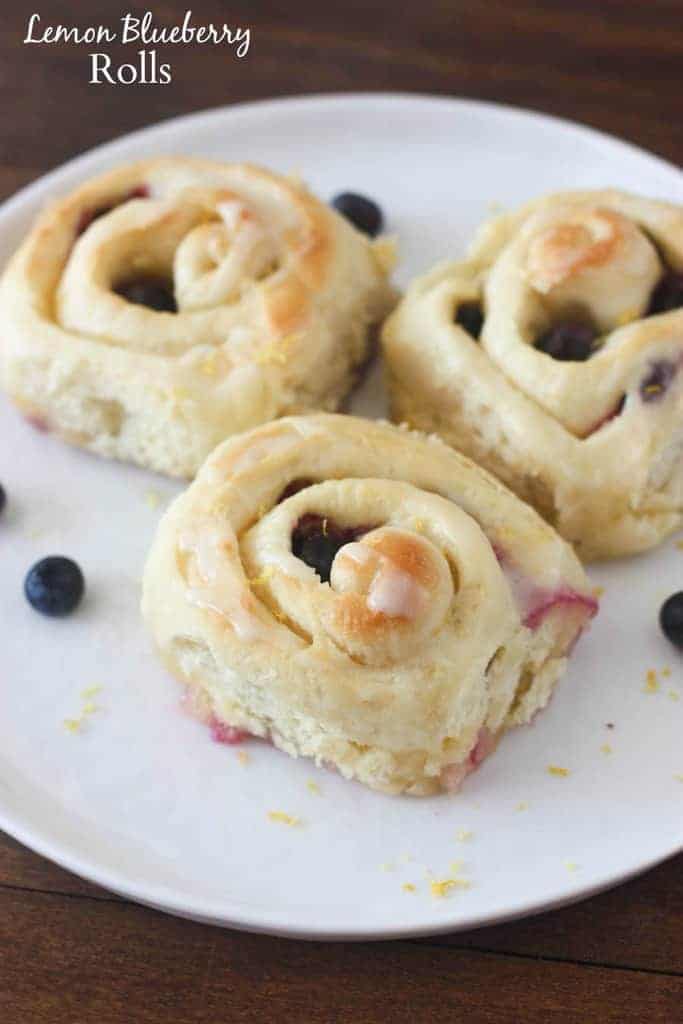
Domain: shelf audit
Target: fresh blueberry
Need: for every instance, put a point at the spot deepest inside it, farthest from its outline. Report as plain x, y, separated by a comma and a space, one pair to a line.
3, 498
361, 211
668, 294
316, 541
54, 586
671, 618
470, 316
149, 292
570, 342
657, 381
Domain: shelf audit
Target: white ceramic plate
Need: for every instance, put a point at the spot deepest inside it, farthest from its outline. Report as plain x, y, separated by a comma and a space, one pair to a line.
141, 800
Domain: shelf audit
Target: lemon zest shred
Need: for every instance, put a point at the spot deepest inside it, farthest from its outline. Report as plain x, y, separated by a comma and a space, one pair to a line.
651, 682
554, 769
284, 819
263, 577
277, 351
153, 499
209, 366
440, 888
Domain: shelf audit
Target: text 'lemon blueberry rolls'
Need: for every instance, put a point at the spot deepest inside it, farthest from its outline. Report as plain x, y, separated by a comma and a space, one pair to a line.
168, 304
364, 596
553, 356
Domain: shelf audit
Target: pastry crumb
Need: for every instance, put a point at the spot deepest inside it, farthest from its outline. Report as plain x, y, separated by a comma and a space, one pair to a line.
282, 818
606, 748
522, 806
313, 787
386, 253
554, 769
242, 757
463, 835
408, 887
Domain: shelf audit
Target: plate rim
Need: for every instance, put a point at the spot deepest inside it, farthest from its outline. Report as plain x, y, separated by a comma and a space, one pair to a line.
227, 914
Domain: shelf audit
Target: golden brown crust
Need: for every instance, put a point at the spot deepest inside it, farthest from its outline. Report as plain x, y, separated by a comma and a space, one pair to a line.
276, 296
405, 664
595, 445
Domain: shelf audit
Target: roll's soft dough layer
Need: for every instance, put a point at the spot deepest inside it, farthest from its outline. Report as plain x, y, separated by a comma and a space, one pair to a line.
594, 444
364, 596
275, 298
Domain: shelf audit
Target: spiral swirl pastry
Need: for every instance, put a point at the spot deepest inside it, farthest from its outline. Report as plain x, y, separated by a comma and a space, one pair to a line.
552, 356
364, 596
171, 303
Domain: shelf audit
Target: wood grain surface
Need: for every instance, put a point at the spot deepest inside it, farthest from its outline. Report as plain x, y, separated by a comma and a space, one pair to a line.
70, 952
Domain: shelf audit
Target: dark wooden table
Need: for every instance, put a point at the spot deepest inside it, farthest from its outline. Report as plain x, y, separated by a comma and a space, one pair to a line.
73, 954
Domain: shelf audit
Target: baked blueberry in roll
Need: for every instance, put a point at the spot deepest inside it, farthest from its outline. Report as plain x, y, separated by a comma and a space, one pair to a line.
553, 356
364, 596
